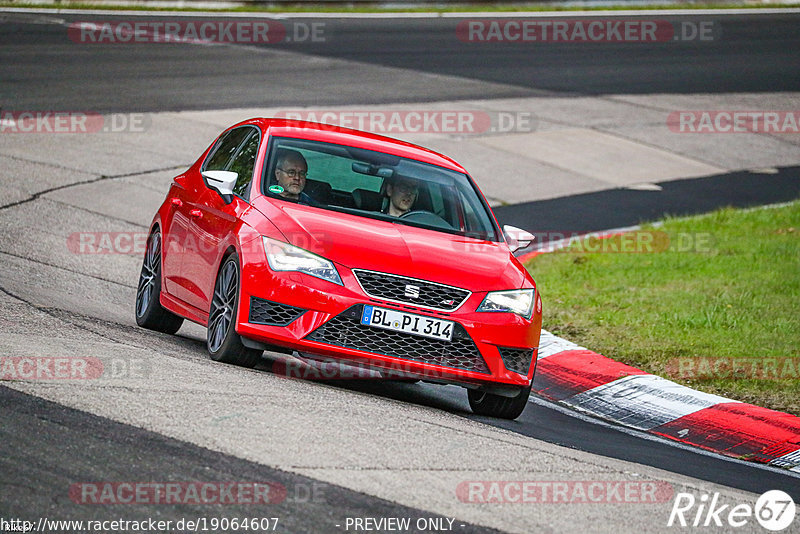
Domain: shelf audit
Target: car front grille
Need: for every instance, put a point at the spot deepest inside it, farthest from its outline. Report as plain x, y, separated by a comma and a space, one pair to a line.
272, 313
411, 290
517, 360
346, 330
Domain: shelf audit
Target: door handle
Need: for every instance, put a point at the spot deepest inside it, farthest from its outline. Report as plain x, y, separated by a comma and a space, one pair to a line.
196, 213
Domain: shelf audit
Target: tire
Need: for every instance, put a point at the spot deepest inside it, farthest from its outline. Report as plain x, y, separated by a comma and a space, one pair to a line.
149, 312
492, 405
223, 343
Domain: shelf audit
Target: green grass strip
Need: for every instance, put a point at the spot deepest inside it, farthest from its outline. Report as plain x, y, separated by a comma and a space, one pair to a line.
712, 301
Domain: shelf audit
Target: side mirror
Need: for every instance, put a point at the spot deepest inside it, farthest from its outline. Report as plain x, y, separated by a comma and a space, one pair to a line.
517, 238
221, 181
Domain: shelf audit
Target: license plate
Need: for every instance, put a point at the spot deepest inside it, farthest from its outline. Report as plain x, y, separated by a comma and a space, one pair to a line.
407, 322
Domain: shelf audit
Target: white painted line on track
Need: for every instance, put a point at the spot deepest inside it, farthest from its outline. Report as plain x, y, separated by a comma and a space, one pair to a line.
432, 14
621, 13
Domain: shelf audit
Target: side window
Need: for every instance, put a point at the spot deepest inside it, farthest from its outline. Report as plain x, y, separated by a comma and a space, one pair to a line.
437, 202
472, 220
243, 164
225, 149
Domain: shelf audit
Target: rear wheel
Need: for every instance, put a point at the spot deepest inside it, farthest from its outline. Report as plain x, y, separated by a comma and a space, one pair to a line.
149, 312
223, 343
483, 403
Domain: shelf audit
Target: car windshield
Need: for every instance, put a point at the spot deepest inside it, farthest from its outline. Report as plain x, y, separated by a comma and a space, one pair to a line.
377, 185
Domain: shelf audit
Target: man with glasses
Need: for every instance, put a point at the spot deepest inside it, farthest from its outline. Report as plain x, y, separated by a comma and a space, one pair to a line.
290, 173
402, 193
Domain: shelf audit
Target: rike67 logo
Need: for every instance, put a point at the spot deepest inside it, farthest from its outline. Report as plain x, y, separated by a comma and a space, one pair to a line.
774, 511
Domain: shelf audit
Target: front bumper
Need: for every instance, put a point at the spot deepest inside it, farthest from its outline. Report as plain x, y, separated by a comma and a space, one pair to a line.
303, 313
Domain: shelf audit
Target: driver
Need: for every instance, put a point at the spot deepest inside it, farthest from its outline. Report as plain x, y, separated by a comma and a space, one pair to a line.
290, 173
402, 193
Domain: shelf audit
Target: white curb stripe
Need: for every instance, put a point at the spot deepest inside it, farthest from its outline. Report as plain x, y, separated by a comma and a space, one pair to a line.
791, 461
643, 401
588, 418
550, 344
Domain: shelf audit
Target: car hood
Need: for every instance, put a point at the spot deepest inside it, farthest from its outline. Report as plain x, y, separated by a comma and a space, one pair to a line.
362, 243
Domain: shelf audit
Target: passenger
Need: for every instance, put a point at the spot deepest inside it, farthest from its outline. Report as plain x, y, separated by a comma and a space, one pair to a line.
402, 193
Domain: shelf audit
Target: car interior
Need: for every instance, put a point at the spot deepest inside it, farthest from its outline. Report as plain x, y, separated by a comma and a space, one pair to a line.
354, 180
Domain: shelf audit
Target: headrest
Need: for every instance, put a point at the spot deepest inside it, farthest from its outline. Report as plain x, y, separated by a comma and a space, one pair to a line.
367, 200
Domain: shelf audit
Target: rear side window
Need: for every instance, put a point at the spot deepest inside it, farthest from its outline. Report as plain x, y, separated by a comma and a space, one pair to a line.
244, 162
226, 149
236, 152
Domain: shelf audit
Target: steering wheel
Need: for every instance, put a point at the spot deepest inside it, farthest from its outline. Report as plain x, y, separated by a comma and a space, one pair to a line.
426, 217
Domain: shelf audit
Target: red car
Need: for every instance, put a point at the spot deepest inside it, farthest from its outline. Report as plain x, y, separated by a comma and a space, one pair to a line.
344, 246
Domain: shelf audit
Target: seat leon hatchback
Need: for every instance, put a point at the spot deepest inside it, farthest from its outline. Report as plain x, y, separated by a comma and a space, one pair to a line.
336, 245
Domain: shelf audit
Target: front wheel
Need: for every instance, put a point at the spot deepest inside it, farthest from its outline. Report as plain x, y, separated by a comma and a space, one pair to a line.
223, 343
483, 403
149, 312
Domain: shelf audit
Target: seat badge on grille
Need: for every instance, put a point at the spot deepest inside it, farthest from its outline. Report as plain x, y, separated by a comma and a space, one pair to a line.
412, 291
448, 302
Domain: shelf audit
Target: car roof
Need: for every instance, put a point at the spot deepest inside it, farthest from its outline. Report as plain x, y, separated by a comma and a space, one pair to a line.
345, 136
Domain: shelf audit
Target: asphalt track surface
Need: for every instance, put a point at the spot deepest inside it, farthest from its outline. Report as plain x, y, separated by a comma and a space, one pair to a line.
677, 198
542, 422
43, 70
99, 449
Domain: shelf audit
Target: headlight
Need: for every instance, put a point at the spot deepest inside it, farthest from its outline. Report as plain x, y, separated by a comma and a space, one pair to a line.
519, 301
285, 257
